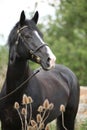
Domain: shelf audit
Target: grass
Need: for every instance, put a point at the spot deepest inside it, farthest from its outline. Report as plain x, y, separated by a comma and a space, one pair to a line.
81, 125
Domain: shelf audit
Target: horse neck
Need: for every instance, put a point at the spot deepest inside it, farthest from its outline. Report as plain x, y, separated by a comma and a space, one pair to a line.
17, 73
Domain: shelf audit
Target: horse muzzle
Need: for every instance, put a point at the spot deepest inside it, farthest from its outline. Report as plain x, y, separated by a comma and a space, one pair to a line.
52, 62
49, 64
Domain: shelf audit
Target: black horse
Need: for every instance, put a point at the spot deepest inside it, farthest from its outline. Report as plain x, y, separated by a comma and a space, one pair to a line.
59, 85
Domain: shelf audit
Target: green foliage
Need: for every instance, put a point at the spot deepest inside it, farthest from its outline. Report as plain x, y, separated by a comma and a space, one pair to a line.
84, 125
67, 36
3, 56
33, 65
3, 63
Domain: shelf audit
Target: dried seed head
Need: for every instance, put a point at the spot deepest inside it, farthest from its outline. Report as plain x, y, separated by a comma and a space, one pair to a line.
62, 108
47, 127
51, 106
41, 126
24, 112
38, 59
39, 119
16, 105
30, 100
33, 123
46, 104
35, 127
30, 128
40, 109
25, 99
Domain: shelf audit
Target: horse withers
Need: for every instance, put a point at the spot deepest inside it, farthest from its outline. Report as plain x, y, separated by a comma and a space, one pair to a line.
59, 85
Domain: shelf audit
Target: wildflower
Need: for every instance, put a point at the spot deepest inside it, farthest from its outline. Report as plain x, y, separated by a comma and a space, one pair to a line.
24, 112
40, 109
30, 128
30, 100
46, 104
39, 119
62, 108
47, 127
51, 106
16, 105
41, 126
35, 127
33, 123
25, 99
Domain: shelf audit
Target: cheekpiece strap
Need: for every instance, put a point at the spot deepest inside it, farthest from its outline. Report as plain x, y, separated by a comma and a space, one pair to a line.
18, 32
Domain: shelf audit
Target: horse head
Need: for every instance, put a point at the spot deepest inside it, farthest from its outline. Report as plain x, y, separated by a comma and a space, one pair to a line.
26, 42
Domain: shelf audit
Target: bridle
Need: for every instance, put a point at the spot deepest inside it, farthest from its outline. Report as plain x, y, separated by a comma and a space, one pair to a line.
32, 52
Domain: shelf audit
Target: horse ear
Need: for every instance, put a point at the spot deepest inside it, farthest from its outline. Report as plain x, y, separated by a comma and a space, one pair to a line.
22, 18
35, 17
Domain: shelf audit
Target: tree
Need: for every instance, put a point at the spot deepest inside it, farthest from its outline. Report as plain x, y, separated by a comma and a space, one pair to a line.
67, 36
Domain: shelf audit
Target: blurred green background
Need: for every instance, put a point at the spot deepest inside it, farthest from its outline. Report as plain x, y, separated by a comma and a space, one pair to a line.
66, 35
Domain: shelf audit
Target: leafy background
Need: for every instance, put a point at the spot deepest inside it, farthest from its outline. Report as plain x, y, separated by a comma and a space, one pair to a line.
66, 34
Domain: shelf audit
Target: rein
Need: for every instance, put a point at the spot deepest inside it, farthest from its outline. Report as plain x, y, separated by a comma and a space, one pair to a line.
32, 52
12, 92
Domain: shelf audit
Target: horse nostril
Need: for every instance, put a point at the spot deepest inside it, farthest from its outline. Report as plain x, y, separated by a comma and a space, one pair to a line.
51, 62
48, 61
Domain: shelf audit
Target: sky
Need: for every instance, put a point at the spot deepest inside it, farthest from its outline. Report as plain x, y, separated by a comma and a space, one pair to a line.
10, 13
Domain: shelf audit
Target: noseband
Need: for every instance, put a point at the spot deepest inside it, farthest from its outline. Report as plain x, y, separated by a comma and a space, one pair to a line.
32, 52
